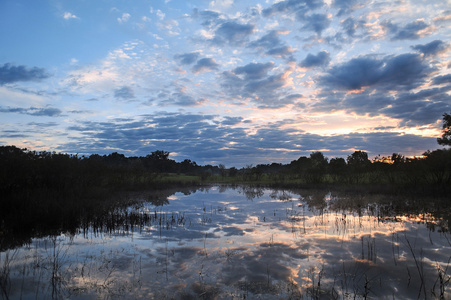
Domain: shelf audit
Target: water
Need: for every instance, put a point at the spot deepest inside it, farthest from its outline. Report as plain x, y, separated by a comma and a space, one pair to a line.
241, 243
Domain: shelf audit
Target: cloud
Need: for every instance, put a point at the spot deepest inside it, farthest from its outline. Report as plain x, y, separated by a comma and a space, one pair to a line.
350, 26
210, 18
442, 79
410, 31
254, 71
233, 33
300, 7
180, 97
346, 6
404, 71
187, 58
268, 41
205, 65
213, 139
47, 124
33, 111
253, 82
316, 22
433, 48
321, 59
272, 45
231, 121
266, 87
170, 26
421, 108
284, 51
10, 74
411, 108
68, 16
184, 100
161, 15
124, 92
124, 18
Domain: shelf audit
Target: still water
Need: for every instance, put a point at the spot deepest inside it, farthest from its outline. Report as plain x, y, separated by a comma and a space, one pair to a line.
240, 243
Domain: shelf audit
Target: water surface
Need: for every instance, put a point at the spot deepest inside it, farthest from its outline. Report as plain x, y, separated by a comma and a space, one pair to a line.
241, 243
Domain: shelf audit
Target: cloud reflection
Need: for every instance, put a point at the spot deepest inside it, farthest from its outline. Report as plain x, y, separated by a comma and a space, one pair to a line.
261, 243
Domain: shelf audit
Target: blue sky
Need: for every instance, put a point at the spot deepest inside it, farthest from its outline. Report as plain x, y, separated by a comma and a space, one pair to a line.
226, 81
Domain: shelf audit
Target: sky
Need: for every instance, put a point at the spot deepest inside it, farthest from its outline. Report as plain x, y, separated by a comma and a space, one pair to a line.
227, 82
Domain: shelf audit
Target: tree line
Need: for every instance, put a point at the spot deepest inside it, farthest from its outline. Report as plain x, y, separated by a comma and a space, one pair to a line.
22, 169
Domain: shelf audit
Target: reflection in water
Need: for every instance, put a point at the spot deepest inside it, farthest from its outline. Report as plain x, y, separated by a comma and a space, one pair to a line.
241, 243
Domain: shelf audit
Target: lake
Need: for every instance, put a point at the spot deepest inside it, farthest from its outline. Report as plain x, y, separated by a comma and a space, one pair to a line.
241, 242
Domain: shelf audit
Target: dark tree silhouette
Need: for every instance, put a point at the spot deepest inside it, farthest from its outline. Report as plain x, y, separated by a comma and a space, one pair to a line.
445, 140
358, 164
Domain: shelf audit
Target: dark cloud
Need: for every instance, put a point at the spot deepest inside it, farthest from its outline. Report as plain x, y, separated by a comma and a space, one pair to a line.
284, 51
350, 26
363, 103
33, 111
180, 97
10, 74
268, 41
184, 100
405, 71
209, 17
431, 49
442, 79
204, 65
316, 22
266, 86
253, 82
232, 120
254, 71
233, 33
321, 59
187, 58
211, 139
48, 124
124, 92
418, 108
410, 31
271, 44
346, 6
299, 7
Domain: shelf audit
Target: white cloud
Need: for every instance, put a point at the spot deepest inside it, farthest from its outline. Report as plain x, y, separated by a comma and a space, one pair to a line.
15, 98
125, 17
220, 4
170, 26
146, 19
161, 14
67, 15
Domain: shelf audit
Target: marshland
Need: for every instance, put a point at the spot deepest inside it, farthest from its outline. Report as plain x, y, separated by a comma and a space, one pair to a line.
114, 227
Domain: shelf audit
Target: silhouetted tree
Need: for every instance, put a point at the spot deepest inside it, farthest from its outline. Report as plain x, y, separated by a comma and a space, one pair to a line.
438, 166
159, 161
222, 170
358, 164
233, 171
445, 140
300, 166
337, 168
318, 167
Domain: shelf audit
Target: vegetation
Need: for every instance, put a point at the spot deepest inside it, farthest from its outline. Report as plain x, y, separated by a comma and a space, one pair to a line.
446, 133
